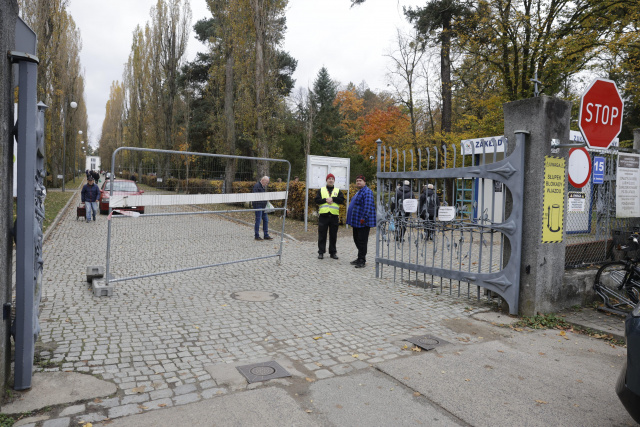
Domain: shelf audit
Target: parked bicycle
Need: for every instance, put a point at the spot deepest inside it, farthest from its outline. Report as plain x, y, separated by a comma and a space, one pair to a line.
618, 282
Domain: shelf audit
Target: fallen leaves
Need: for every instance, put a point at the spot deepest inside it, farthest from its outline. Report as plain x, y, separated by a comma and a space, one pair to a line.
316, 338
416, 348
309, 379
162, 405
416, 393
541, 402
139, 389
563, 334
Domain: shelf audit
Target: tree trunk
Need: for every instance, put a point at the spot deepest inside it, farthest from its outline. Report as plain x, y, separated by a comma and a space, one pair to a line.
445, 75
230, 122
259, 18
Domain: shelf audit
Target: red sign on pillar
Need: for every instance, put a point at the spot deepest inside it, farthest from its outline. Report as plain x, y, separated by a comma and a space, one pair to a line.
601, 110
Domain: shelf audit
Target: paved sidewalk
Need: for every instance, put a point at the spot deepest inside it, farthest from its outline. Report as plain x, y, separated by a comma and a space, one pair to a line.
170, 344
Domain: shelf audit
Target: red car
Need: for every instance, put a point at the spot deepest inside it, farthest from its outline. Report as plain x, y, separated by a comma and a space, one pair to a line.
121, 187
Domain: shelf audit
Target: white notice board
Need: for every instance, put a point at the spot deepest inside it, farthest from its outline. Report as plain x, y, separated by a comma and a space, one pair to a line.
318, 167
628, 186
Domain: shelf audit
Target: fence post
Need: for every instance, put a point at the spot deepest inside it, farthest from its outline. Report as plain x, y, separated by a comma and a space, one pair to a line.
542, 264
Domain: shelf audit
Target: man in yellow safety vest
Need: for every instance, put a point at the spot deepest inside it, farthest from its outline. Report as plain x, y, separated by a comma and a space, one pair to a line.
328, 199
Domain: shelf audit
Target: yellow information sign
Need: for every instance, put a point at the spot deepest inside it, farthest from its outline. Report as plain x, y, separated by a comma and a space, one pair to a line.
553, 203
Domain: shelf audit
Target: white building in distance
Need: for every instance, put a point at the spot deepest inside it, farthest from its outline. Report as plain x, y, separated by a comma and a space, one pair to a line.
93, 163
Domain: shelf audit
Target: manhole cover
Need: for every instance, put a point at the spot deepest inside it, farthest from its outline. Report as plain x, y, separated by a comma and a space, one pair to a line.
427, 342
263, 371
255, 296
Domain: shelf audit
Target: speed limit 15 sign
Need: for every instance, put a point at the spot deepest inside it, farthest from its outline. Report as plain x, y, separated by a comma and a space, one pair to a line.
598, 170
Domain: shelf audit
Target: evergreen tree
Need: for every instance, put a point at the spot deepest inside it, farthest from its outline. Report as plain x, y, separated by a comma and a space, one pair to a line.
327, 132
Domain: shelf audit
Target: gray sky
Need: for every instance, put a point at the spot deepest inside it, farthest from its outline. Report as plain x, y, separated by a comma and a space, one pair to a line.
350, 42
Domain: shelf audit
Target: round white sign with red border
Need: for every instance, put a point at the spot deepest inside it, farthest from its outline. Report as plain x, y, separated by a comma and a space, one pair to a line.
579, 166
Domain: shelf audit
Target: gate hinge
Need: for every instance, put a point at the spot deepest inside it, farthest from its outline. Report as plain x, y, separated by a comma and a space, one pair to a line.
6, 311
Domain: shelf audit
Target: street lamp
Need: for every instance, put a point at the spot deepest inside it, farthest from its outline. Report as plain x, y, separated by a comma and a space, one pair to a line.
72, 104
75, 165
83, 153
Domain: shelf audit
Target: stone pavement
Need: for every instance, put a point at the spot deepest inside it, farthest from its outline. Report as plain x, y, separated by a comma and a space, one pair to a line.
157, 337
173, 341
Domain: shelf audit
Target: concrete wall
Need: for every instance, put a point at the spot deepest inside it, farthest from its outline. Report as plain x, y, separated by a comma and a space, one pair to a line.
8, 15
542, 266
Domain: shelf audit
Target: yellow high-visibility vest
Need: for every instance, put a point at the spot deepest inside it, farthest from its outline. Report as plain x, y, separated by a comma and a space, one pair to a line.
329, 207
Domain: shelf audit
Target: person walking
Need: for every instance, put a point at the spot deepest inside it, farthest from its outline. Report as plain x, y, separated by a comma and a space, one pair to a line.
361, 216
428, 208
328, 199
90, 195
261, 215
402, 192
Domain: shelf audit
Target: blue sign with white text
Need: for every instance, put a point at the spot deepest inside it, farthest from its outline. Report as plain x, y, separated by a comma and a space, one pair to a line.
598, 170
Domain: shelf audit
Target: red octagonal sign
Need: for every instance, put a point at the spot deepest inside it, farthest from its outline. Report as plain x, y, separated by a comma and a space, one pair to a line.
601, 113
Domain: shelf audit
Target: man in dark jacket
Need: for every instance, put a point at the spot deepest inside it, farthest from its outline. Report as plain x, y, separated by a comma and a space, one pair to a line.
90, 195
261, 215
403, 192
328, 199
428, 208
361, 216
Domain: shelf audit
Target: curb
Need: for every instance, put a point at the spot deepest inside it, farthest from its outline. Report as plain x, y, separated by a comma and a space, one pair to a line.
58, 217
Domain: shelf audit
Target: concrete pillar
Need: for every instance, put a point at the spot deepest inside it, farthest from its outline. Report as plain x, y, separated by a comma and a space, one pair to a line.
636, 139
542, 265
8, 15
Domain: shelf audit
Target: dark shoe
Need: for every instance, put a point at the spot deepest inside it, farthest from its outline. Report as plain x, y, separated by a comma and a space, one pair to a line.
268, 238
355, 261
259, 238
320, 256
360, 265
334, 256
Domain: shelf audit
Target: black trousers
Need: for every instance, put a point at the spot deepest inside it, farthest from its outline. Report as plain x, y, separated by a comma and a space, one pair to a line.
327, 222
361, 239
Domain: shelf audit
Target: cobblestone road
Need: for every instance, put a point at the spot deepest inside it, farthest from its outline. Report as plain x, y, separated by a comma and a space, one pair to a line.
157, 337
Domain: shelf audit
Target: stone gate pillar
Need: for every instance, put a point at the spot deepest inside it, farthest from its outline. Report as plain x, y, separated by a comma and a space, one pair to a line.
542, 265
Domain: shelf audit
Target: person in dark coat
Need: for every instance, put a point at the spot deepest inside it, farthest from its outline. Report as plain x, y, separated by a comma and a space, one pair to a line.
402, 192
90, 195
428, 208
261, 215
361, 216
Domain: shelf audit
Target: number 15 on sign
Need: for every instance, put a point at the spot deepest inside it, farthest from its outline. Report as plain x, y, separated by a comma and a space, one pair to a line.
598, 170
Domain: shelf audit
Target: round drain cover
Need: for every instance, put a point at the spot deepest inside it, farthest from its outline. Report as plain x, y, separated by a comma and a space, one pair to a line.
428, 341
256, 296
262, 371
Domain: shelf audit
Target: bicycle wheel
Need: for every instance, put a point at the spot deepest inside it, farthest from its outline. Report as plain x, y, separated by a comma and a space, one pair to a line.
610, 284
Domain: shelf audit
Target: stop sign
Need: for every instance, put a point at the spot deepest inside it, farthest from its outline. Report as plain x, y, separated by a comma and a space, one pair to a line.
600, 113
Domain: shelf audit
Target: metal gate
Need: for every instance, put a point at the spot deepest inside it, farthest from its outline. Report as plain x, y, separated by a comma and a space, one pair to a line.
469, 252
177, 218
592, 229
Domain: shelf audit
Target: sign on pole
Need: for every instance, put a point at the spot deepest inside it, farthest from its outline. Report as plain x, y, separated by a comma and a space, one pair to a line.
579, 167
598, 170
628, 186
601, 109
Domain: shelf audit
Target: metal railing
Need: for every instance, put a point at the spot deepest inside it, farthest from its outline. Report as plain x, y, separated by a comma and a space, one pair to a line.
468, 251
177, 224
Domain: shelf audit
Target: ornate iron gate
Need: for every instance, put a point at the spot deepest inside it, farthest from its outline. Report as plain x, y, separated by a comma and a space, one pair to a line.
455, 251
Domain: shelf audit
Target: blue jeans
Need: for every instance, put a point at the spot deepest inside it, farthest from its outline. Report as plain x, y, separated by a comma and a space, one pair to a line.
262, 215
91, 208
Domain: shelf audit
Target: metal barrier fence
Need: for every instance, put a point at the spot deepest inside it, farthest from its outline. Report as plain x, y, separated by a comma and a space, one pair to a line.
591, 223
468, 251
180, 221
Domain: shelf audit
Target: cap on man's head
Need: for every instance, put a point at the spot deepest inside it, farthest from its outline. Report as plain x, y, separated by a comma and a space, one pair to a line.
430, 186
330, 176
361, 177
89, 178
406, 182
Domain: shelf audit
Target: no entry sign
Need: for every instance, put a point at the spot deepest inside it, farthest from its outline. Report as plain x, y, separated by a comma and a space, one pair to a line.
579, 167
601, 110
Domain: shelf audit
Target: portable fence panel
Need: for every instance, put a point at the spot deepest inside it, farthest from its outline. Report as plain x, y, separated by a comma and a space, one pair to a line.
591, 223
189, 214
463, 255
